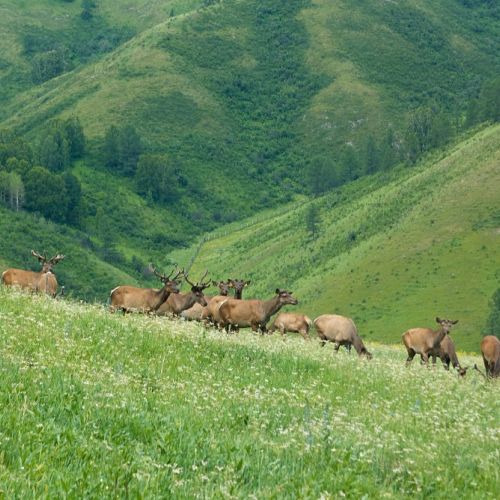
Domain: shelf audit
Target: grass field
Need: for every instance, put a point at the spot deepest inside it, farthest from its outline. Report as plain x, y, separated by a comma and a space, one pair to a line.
100, 405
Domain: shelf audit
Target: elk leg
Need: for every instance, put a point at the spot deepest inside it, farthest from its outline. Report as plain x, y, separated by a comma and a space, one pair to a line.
282, 331
337, 347
411, 355
304, 334
322, 343
425, 358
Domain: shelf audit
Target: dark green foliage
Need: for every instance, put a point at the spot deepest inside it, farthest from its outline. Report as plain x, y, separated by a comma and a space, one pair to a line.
156, 178
46, 194
312, 220
88, 7
493, 323
54, 150
74, 199
47, 65
13, 146
75, 137
121, 149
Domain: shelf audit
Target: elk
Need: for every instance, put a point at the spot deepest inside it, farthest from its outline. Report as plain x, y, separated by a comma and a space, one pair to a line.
341, 331
291, 322
238, 286
43, 281
236, 313
201, 313
175, 304
212, 314
146, 300
447, 354
490, 349
425, 341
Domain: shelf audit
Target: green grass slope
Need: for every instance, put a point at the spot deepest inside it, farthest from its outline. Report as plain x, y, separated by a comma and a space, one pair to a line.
100, 405
393, 251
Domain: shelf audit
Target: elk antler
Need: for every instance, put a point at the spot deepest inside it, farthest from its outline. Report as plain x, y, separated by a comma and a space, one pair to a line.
164, 277
41, 258
57, 258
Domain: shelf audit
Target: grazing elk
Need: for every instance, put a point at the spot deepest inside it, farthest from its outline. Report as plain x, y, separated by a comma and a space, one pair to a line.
175, 304
291, 322
341, 331
447, 354
425, 341
146, 300
490, 349
43, 281
235, 313
201, 313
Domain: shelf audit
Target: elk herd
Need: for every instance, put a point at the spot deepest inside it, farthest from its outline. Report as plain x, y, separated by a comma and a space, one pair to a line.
233, 313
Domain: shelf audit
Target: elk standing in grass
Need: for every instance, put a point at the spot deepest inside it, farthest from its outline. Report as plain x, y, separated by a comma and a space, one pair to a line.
490, 349
236, 313
425, 341
291, 322
175, 304
201, 313
213, 310
146, 300
447, 354
43, 281
341, 331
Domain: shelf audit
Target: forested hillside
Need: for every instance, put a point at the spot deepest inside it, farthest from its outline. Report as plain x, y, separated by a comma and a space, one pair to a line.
135, 127
392, 251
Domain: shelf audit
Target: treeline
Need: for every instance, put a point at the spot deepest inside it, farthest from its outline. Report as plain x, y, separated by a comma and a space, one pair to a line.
36, 178
427, 128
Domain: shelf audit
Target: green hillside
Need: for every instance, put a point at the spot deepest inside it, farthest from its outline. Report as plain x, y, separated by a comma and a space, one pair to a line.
392, 251
101, 405
246, 98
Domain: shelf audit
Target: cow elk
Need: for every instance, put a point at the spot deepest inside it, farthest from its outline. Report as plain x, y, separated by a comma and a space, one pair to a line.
175, 304
425, 341
291, 322
238, 286
236, 313
201, 313
341, 331
213, 310
43, 281
447, 354
490, 350
145, 300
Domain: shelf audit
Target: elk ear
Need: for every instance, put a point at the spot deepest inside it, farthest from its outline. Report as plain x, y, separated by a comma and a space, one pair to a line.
247, 282
438, 320
277, 291
454, 322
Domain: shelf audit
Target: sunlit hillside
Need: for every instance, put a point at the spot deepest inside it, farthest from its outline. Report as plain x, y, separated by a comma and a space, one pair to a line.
392, 251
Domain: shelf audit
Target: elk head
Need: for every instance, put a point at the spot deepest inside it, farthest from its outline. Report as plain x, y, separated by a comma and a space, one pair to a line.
47, 265
197, 288
238, 286
446, 324
223, 286
286, 297
169, 282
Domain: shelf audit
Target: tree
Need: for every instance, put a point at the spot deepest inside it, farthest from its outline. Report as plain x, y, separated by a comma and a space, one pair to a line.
111, 147
54, 150
493, 323
75, 137
46, 193
372, 156
312, 220
489, 100
4, 187
155, 177
130, 150
16, 191
88, 7
74, 198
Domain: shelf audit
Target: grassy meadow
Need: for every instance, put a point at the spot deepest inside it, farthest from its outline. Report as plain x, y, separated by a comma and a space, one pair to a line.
100, 405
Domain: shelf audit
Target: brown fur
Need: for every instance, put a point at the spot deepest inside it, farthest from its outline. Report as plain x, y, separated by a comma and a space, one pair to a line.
424, 341
447, 354
44, 281
341, 331
146, 300
236, 313
291, 322
490, 349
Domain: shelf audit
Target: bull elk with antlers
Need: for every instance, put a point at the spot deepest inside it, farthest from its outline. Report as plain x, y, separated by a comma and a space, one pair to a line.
147, 300
43, 281
177, 303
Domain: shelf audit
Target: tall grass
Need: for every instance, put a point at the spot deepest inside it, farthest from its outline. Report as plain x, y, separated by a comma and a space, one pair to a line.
102, 405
